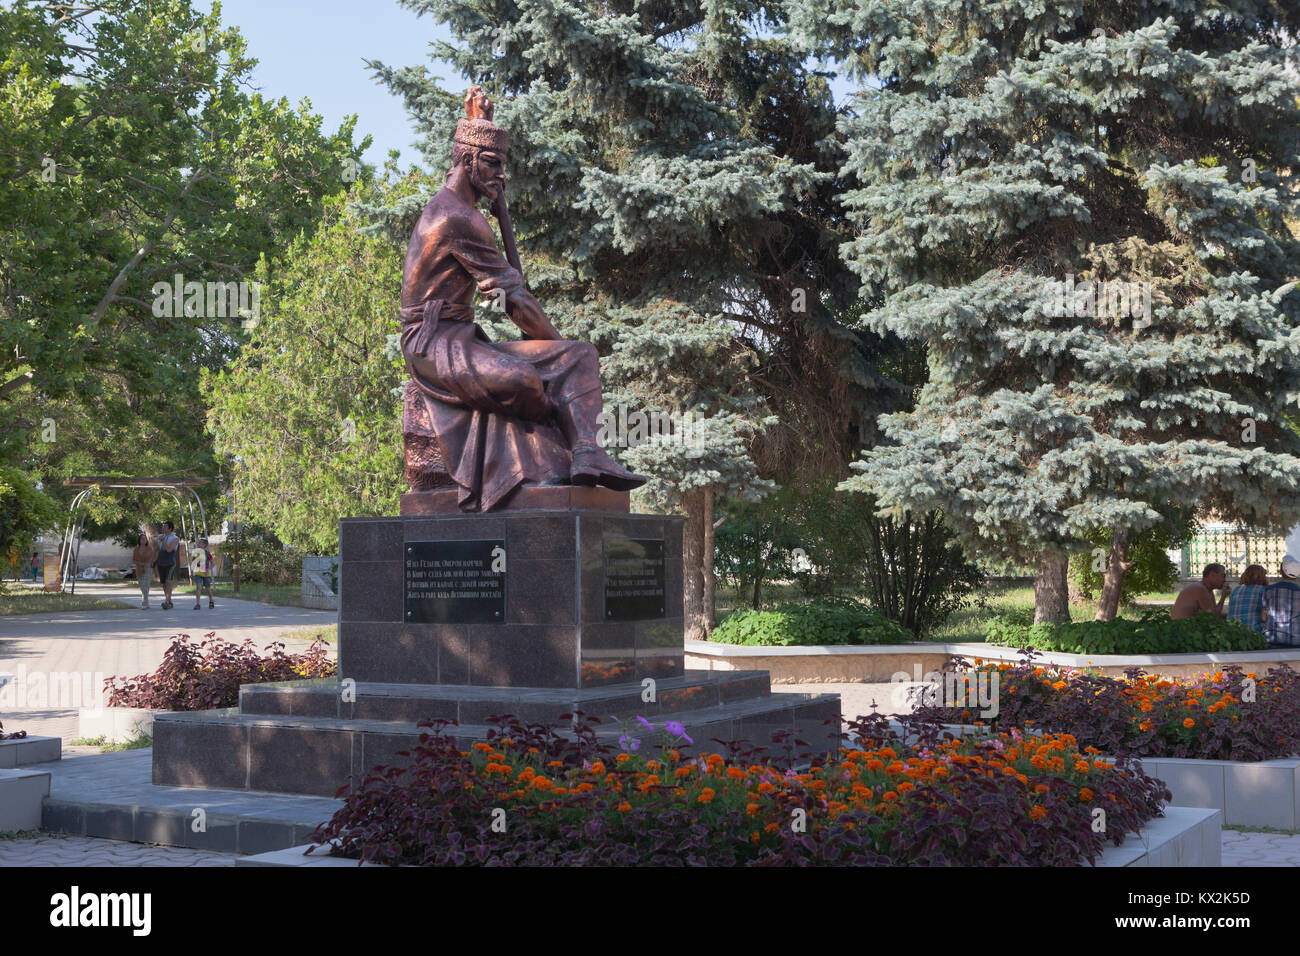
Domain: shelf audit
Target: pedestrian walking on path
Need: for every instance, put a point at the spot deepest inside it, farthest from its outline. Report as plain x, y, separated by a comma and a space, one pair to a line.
168, 557
143, 558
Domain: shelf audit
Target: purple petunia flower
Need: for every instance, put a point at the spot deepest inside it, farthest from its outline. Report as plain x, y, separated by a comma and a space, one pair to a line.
628, 742
645, 723
675, 728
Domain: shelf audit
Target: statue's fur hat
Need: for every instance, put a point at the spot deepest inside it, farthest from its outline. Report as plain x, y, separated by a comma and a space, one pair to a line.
478, 130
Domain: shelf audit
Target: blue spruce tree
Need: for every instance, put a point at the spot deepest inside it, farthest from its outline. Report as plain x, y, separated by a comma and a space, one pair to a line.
1080, 212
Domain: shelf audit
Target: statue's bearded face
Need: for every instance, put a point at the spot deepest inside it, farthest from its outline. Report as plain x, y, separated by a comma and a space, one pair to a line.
487, 174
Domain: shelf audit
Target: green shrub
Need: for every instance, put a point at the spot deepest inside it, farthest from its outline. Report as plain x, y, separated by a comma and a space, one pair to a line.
831, 542
1153, 633
1152, 571
826, 621
268, 562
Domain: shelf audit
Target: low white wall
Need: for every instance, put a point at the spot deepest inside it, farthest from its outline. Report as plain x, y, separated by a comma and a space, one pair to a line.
116, 725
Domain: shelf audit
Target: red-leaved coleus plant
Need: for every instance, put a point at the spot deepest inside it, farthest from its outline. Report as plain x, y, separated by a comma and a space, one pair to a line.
208, 674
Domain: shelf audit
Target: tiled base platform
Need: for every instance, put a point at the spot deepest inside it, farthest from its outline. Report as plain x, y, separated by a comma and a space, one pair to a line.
303, 737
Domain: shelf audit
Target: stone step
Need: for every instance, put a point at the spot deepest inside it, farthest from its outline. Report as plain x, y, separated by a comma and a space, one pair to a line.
319, 755
474, 705
110, 796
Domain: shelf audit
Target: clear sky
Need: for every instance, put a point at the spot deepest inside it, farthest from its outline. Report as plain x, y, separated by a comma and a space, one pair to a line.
315, 49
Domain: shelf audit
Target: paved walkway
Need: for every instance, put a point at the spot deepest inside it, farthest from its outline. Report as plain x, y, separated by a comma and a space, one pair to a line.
1249, 848
859, 699
1239, 849
57, 850
56, 657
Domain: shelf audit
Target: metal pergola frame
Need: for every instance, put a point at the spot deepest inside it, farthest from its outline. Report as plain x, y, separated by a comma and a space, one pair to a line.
71, 546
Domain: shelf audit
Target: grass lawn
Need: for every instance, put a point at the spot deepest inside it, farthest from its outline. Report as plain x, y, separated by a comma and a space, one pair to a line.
26, 601
329, 633
138, 742
285, 595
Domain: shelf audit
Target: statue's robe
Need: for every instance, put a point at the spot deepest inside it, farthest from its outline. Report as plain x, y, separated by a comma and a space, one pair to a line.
490, 405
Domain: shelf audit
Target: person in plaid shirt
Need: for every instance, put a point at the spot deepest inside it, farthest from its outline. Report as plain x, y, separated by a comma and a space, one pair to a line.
1246, 605
1281, 606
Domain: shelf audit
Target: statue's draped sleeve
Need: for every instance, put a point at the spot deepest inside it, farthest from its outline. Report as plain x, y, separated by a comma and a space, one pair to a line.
477, 252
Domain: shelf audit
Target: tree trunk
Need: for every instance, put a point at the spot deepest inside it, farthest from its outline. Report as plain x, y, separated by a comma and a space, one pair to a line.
696, 622
1117, 564
710, 576
1051, 592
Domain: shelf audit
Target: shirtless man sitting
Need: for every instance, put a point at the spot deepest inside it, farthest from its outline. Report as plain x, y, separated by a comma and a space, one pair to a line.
1196, 598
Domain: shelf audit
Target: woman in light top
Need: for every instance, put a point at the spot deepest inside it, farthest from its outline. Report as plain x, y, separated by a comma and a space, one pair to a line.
143, 557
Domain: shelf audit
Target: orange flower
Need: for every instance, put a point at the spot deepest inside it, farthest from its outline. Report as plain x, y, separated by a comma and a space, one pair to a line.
772, 827
753, 837
482, 747
624, 807
622, 758
598, 768
1037, 813
541, 783
556, 764
706, 795
889, 796
1085, 795
765, 787
751, 809
1188, 722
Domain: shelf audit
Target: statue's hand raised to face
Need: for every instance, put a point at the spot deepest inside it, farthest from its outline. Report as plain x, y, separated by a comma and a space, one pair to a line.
477, 104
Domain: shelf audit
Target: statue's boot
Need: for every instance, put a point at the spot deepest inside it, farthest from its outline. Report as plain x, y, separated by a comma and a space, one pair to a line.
579, 420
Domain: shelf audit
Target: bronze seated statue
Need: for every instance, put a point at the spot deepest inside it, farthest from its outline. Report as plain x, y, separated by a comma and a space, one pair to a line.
487, 417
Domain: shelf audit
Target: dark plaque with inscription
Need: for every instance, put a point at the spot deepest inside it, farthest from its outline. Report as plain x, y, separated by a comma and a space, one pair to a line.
455, 582
634, 579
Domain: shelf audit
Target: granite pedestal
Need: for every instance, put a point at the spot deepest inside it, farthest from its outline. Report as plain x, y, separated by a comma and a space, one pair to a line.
534, 612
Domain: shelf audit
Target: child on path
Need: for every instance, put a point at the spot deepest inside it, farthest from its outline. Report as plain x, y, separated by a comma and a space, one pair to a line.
201, 572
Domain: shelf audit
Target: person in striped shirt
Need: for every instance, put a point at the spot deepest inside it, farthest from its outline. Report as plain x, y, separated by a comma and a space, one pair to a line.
1281, 606
1246, 604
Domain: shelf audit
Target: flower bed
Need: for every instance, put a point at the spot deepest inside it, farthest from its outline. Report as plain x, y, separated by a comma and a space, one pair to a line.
208, 675
1144, 716
530, 796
